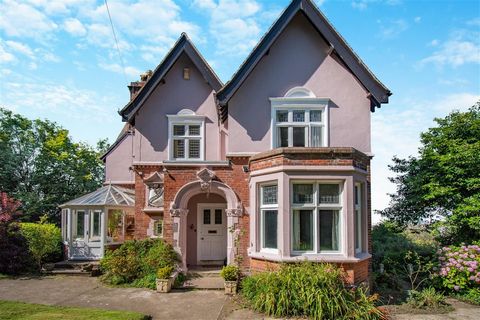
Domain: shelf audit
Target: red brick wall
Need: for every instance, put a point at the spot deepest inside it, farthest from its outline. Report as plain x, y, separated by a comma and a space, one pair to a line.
356, 272
142, 220
175, 178
310, 157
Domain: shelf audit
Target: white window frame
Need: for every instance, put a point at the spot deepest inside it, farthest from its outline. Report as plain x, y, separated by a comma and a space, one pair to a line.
266, 207
358, 210
299, 99
185, 118
315, 207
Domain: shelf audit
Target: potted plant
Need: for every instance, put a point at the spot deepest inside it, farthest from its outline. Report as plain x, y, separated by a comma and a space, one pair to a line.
230, 274
165, 279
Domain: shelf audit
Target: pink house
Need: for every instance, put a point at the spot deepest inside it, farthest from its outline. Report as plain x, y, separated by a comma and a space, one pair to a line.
273, 166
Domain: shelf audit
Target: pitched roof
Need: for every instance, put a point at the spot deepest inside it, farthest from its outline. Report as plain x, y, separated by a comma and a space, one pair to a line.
126, 130
379, 93
108, 195
183, 45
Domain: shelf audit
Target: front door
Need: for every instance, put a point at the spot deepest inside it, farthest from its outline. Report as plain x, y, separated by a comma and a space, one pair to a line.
212, 234
86, 232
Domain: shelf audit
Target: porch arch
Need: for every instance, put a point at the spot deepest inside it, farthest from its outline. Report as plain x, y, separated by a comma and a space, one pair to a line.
179, 212
180, 201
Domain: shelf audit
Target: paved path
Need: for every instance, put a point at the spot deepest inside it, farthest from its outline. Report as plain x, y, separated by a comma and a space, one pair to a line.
88, 292
199, 305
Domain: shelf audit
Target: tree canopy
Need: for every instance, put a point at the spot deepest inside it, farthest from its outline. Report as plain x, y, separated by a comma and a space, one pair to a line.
42, 167
444, 179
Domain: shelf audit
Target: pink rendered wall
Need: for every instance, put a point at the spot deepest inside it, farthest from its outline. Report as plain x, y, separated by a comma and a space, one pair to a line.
118, 161
192, 222
151, 123
299, 58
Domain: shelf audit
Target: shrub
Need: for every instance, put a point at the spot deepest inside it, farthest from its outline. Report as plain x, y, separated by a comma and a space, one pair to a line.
428, 298
230, 272
459, 268
165, 272
136, 262
14, 254
44, 239
308, 290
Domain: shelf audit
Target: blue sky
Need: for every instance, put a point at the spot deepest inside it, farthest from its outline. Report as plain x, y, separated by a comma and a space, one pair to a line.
58, 59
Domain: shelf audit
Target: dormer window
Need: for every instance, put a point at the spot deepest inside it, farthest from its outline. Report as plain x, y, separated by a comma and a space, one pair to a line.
299, 120
186, 136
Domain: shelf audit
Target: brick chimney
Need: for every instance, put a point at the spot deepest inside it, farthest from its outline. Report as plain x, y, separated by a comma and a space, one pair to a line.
135, 86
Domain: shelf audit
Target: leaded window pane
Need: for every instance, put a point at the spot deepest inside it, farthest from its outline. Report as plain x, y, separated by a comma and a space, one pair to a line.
194, 149
194, 130
282, 115
299, 136
302, 230
329, 193
303, 193
298, 115
270, 229
269, 195
178, 130
328, 228
178, 148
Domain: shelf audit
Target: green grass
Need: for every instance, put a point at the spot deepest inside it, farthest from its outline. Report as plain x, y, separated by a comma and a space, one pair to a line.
10, 310
3, 276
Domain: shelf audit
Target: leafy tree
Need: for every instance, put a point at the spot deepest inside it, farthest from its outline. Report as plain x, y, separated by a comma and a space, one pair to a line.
44, 239
42, 167
444, 180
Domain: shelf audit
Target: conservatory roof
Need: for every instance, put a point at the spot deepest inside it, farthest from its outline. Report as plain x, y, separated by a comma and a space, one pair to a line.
108, 195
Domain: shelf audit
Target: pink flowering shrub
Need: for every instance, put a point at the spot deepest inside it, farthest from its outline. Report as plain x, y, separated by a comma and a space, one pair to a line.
459, 267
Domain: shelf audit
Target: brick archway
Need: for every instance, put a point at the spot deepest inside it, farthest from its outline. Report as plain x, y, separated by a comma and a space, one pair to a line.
179, 211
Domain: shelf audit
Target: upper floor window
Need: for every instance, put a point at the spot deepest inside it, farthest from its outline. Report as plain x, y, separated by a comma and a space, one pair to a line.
299, 120
186, 136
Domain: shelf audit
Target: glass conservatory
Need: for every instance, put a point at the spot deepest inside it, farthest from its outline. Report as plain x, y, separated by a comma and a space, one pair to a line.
98, 220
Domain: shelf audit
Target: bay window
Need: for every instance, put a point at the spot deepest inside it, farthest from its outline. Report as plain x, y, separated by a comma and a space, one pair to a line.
268, 216
316, 214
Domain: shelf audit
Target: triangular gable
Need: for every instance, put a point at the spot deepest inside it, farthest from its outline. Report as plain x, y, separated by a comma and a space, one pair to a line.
183, 45
126, 131
378, 92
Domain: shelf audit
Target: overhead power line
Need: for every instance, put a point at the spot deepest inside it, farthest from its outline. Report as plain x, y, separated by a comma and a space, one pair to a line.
116, 42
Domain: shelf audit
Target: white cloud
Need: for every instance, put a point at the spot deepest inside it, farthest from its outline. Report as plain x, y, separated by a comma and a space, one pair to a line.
455, 53
434, 43
20, 48
396, 131
393, 28
74, 27
114, 67
23, 20
363, 4
417, 19
6, 57
234, 24
58, 99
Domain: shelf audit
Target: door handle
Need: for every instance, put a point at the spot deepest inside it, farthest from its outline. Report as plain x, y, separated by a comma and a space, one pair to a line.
201, 238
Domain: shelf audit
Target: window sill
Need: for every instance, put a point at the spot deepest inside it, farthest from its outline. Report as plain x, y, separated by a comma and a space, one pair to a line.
334, 258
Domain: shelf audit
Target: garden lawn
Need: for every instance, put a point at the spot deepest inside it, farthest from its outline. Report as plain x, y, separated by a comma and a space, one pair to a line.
10, 310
